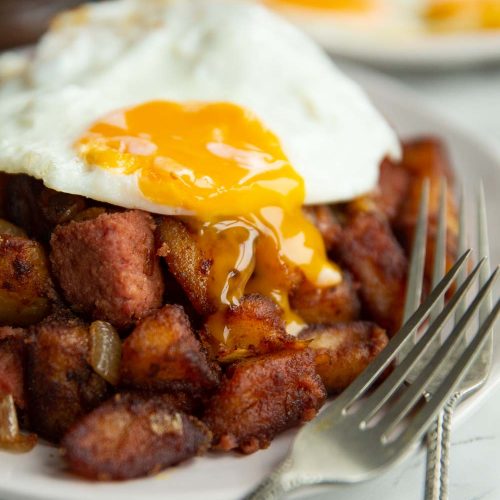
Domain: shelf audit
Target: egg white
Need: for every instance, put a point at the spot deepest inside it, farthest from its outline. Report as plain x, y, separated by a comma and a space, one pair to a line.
117, 54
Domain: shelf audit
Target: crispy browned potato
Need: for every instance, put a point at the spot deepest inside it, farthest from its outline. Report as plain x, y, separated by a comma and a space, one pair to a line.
327, 224
254, 327
185, 401
175, 294
8, 331
371, 253
25, 286
12, 364
427, 158
191, 264
326, 305
260, 397
393, 185
61, 385
132, 436
186, 262
38, 209
257, 323
342, 351
163, 353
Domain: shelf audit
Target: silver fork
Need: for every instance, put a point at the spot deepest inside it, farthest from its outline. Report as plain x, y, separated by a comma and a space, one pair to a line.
438, 437
352, 440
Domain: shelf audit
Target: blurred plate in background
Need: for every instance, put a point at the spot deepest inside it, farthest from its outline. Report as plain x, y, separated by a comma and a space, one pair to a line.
401, 33
437, 52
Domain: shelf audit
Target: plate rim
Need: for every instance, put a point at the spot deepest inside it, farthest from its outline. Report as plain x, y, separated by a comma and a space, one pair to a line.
417, 50
455, 52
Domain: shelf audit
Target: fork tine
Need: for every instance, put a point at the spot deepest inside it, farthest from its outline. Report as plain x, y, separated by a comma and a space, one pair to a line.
384, 392
380, 363
427, 413
416, 273
439, 267
417, 262
438, 361
462, 244
483, 247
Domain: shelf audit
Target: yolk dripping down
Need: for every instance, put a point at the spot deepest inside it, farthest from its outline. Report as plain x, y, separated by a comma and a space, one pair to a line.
225, 169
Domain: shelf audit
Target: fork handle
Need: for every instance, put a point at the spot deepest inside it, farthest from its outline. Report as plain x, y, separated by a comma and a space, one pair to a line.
438, 453
274, 486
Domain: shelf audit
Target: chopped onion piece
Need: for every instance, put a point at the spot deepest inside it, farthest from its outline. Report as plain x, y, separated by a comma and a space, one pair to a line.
9, 427
10, 437
105, 351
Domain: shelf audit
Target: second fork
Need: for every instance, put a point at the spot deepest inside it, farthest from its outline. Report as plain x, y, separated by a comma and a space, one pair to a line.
438, 437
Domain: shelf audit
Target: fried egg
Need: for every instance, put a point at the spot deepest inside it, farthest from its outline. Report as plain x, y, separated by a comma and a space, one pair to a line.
115, 55
220, 112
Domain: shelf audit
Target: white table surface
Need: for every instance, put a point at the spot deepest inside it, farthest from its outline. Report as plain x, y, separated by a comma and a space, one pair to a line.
472, 98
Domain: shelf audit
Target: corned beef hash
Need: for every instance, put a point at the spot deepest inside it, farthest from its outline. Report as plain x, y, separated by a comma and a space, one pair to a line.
204, 229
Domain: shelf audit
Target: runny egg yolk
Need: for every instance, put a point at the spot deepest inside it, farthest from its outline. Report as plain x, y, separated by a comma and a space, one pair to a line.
339, 5
228, 173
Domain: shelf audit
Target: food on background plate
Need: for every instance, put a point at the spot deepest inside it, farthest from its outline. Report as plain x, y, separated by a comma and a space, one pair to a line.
463, 15
200, 238
391, 18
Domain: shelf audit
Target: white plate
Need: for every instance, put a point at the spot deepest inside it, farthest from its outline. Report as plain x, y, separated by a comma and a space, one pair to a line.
410, 48
38, 475
438, 52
